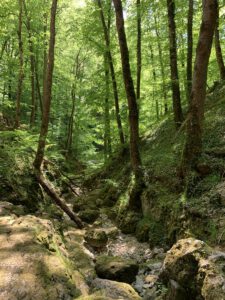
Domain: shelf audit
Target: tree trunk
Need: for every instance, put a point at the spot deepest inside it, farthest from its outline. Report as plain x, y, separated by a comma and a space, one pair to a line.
38, 89
21, 71
178, 115
69, 141
45, 58
154, 82
189, 48
45, 121
162, 69
193, 146
47, 91
107, 135
219, 55
112, 71
32, 67
138, 3
3, 48
132, 106
76, 74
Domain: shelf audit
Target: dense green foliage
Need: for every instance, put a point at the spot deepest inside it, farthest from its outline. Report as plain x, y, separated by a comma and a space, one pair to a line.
80, 42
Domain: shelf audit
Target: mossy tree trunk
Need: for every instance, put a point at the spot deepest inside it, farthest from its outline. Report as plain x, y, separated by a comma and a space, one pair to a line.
132, 106
193, 146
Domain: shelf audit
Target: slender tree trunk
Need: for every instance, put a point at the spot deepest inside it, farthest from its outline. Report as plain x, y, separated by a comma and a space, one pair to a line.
76, 74
154, 82
183, 81
107, 135
47, 91
162, 69
38, 89
193, 146
219, 55
32, 67
45, 122
3, 48
138, 3
71, 120
189, 48
21, 71
132, 106
9, 53
178, 115
112, 71
45, 58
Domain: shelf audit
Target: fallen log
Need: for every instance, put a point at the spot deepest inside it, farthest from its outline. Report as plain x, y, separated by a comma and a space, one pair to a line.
50, 190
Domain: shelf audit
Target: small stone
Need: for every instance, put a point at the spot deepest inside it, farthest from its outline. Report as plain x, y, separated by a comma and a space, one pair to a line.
96, 238
151, 279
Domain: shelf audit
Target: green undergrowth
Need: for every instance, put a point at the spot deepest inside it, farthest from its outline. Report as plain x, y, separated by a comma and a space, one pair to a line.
18, 183
172, 208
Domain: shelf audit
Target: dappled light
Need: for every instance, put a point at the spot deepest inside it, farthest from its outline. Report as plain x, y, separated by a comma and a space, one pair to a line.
112, 150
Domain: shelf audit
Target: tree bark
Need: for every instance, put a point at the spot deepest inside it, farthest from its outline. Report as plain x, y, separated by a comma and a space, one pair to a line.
112, 71
107, 134
45, 58
219, 55
193, 146
162, 69
32, 67
139, 58
178, 115
76, 74
21, 71
132, 106
189, 48
154, 82
47, 91
69, 141
38, 89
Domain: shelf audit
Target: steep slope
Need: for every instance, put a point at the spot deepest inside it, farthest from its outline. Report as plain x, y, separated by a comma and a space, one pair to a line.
172, 208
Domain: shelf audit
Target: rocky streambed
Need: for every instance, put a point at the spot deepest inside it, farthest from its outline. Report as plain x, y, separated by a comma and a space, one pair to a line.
43, 259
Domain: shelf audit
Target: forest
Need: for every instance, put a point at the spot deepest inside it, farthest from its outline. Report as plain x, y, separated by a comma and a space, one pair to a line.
112, 150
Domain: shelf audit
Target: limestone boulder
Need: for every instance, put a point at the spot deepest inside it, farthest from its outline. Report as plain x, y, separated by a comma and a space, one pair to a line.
191, 269
115, 290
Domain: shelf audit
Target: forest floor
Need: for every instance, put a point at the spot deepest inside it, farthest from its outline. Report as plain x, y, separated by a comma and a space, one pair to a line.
120, 254
40, 262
